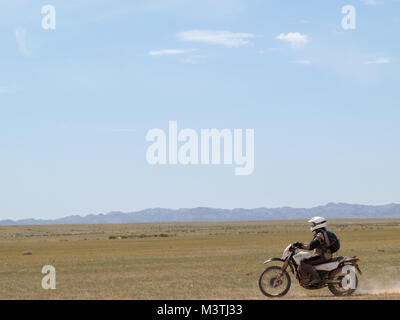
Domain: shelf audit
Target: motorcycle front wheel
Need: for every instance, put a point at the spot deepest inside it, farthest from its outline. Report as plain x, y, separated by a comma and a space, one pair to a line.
274, 282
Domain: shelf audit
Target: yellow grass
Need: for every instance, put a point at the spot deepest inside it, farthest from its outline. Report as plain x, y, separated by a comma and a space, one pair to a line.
183, 260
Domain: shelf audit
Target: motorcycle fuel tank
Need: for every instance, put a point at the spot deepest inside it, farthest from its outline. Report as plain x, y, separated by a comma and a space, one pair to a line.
301, 255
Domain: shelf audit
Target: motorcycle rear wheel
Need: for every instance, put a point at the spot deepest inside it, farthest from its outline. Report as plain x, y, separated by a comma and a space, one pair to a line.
337, 288
268, 282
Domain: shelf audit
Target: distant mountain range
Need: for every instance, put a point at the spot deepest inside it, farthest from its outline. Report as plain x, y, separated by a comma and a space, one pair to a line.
331, 210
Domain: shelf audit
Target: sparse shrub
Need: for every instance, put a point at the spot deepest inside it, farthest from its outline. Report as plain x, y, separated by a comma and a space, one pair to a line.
163, 235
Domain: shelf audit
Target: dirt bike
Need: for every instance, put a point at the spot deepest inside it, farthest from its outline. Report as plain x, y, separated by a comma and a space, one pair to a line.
337, 273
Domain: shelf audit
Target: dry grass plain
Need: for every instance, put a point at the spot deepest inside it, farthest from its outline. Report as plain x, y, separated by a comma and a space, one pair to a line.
183, 260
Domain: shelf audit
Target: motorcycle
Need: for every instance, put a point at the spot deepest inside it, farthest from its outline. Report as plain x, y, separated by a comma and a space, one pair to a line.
339, 274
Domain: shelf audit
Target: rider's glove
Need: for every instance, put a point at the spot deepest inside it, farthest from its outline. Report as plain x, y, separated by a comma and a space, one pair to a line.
298, 245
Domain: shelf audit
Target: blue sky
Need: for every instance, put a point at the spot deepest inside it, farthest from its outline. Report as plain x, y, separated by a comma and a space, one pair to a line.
76, 103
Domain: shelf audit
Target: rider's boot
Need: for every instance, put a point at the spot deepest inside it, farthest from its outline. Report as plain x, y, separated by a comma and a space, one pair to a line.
314, 282
314, 276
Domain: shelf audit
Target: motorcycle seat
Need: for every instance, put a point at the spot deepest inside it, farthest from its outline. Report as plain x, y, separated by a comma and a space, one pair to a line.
333, 259
328, 265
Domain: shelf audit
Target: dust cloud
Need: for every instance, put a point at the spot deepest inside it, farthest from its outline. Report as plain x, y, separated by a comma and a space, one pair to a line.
379, 287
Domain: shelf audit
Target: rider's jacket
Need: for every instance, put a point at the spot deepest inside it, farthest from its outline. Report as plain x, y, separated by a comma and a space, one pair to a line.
320, 244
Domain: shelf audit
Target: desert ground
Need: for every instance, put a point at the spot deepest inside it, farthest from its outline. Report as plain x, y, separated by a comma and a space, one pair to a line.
183, 260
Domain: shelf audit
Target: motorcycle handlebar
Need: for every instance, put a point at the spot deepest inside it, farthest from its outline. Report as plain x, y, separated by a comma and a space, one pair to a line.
294, 246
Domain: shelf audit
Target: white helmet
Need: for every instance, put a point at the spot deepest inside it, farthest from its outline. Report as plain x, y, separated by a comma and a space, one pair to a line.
317, 223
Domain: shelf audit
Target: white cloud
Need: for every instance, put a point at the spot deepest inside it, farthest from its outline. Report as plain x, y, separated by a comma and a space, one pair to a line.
302, 62
4, 90
166, 52
378, 61
224, 38
372, 2
20, 37
264, 51
295, 39
123, 130
195, 59
8, 89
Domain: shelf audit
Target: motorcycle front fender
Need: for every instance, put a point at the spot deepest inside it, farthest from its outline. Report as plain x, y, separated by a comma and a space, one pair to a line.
273, 259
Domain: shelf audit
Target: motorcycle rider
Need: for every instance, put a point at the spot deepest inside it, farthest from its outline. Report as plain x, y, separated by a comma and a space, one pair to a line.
320, 244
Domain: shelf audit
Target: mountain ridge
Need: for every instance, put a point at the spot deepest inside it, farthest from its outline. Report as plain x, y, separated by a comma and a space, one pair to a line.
330, 210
